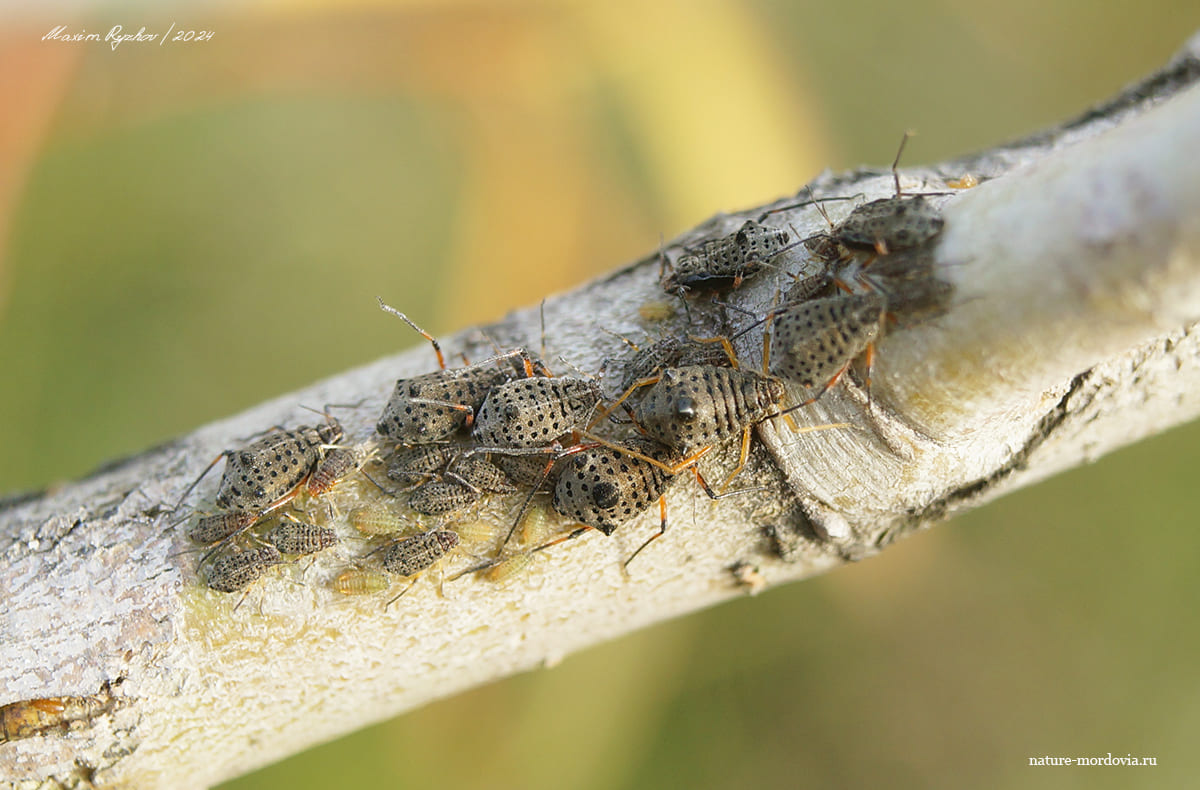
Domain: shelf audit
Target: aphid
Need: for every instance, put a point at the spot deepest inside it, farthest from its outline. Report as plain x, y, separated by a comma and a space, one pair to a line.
438, 497
697, 406
411, 556
724, 263
218, 526
480, 473
238, 569
31, 717
360, 581
420, 462
909, 281
534, 412
814, 342
605, 487
338, 464
527, 471
674, 352
377, 520
434, 406
749, 578
967, 181
267, 473
296, 537
890, 224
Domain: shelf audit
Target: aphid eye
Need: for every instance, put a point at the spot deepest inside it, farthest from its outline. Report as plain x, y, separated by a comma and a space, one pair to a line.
685, 409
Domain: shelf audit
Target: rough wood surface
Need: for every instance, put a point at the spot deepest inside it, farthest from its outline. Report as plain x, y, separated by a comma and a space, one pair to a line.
1072, 331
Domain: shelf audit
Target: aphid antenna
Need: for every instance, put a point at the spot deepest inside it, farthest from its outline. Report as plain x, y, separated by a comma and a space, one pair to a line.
437, 349
621, 337
811, 201
196, 482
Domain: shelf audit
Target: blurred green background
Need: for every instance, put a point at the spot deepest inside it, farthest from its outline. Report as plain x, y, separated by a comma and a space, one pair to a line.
189, 229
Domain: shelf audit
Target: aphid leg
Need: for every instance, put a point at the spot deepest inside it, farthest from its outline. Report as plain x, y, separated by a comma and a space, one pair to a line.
560, 454
662, 528
671, 469
397, 598
743, 454
725, 344
603, 412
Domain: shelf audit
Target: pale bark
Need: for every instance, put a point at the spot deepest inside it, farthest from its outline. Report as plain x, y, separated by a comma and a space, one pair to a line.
1072, 331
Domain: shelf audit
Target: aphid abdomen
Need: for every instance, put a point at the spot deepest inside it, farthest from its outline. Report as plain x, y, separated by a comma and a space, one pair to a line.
410, 556
218, 526
360, 581
534, 412
294, 537
812, 341
231, 572
442, 496
604, 488
700, 405
264, 471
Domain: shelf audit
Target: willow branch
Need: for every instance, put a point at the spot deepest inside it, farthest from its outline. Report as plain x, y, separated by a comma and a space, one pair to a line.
1075, 267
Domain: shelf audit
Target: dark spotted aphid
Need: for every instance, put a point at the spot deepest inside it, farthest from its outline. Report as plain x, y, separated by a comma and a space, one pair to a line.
238, 569
698, 406
421, 462
438, 497
605, 487
267, 473
534, 412
527, 471
479, 472
675, 352
212, 529
890, 225
44, 715
295, 537
723, 263
411, 556
338, 464
813, 342
360, 581
434, 406
909, 281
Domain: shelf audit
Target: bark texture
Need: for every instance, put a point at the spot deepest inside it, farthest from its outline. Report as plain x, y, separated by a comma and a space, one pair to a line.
1072, 330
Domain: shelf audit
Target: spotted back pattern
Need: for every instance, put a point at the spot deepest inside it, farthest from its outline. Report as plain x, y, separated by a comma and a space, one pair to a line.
813, 341
534, 412
725, 262
696, 406
410, 556
296, 537
265, 471
240, 568
604, 488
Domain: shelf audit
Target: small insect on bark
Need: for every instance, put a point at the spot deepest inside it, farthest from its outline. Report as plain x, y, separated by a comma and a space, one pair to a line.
338, 464
814, 343
607, 486
361, 581
720, 264
291, 536
412, 556
239, 569
266, 474
44, 715
534, 412
434, 406
218, 526
377, 520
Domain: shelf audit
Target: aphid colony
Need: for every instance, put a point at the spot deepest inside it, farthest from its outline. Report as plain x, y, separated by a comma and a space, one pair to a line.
506, 427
